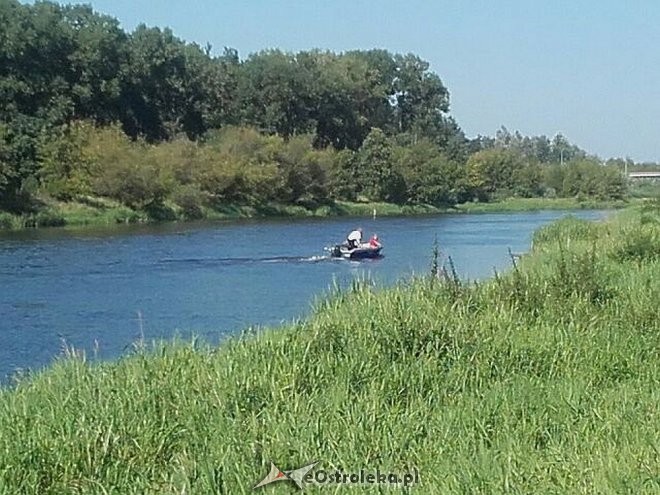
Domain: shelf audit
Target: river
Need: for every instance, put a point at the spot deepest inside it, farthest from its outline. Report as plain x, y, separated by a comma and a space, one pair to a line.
101, 290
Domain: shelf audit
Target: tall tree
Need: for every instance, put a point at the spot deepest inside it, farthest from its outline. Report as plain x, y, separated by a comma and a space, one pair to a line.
431, 177
96, 60
377, 176
221, 79
420, 97
492, 171
273, 94
164, 92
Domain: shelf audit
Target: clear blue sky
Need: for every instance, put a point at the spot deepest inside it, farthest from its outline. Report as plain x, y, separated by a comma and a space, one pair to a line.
587, 69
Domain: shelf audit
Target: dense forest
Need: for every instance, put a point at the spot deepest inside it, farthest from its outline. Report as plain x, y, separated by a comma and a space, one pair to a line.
149, 121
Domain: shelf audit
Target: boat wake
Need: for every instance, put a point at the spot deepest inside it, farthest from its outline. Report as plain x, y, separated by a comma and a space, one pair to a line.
244, 261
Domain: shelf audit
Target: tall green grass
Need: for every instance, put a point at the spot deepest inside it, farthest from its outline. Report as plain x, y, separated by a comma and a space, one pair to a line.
100, 212
534, 204
542, 380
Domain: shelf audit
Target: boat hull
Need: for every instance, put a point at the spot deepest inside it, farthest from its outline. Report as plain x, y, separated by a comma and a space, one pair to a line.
360, 253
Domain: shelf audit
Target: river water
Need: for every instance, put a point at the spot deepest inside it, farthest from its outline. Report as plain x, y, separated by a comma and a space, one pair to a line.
101, 290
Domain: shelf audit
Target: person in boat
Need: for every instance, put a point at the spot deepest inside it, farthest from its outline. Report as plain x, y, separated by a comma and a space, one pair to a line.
374, 242
354, 239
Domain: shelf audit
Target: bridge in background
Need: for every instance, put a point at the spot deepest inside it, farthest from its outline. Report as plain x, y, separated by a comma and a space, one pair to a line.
644, 175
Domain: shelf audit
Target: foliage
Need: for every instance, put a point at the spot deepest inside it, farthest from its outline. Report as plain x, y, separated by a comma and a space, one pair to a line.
430, 176
19, 142
492, 170
65, 170
641, 243
588, 178
377, 178
125, 171
566, 230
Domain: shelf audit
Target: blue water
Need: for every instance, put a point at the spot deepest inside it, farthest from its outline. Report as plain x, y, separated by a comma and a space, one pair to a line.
103, 289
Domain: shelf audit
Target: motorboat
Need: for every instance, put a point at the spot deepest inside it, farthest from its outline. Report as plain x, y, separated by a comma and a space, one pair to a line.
364, 251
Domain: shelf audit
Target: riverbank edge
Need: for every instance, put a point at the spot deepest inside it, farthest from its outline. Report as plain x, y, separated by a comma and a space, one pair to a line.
519, 205
96, 212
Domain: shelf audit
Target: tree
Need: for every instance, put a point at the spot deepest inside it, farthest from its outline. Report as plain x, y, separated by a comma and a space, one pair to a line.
528, 180
420, 97
431, 177
96, 59
34, 65
273, 94
613, 184
19, 142
553, 178
337, 90
492, 171
377, 177
343, 176
165, 88
65, 170
562, 151
221, 79
588, 178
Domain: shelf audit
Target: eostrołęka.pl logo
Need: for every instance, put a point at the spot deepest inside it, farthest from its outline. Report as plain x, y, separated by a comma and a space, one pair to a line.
295, 475
321, 477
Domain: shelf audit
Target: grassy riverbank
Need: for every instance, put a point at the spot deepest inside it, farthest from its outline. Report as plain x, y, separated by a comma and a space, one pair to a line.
543, 380
99, 212
533, 204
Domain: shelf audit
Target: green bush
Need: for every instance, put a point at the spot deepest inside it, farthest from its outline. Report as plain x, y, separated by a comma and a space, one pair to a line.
45, 218
640, 243
567, 229
191, 200
127, 215
8, 221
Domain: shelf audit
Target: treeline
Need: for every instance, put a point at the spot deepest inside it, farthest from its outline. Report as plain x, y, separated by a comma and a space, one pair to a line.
147, 119
241, 166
